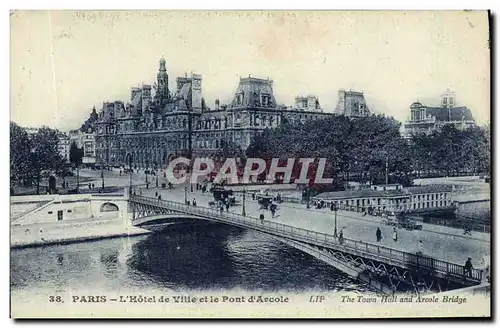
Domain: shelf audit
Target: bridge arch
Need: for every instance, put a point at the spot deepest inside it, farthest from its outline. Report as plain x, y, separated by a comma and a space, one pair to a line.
109, 207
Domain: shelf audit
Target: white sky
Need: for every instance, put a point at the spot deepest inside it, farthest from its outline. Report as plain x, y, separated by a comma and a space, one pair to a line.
64, 62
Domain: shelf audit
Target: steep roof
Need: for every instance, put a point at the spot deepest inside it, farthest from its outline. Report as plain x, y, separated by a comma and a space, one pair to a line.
251, 89
445, 114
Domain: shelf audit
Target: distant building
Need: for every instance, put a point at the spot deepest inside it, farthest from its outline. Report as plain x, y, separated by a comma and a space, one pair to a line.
393, 198
426, 119
86, 141
307, 103
352, 104
64, 145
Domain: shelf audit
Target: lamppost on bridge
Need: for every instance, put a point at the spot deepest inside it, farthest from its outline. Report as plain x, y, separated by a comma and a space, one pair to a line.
102, 177
185, 195
156, 174
243, 211
130, 172
335, 209
147, 183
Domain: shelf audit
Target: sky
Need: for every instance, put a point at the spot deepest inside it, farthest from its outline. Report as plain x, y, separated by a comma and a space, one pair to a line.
65, 62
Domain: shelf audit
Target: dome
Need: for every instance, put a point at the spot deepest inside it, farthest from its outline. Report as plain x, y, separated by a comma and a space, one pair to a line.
416, 105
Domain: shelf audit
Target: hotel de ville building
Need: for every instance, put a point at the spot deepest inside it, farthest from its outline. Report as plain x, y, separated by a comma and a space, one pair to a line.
151, 130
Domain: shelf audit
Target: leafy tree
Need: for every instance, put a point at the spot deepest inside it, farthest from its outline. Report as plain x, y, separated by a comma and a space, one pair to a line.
44, 155
75, 157
63, 169
353, 148
20, 146
451, 151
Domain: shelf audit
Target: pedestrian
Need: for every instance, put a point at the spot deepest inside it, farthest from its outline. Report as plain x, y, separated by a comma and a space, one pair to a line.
194, 202
253, 196
93, 186
341, 237
261, 216
90, 186
379, 235
468, 267
420, 248
140, 192
394, 234
227, 206
159, 197
156, 193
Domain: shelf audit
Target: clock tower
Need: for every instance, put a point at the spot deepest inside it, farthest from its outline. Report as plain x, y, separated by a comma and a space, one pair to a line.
162, 93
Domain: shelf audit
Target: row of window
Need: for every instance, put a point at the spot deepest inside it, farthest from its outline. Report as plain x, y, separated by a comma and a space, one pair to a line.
416, 200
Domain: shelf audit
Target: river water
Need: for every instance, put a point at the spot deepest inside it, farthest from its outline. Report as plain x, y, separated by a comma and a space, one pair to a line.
207, 257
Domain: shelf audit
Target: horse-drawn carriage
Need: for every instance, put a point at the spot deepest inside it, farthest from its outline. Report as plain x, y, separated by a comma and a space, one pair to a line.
403, 222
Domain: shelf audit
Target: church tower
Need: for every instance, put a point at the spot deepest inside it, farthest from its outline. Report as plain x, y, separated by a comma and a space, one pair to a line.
162, 80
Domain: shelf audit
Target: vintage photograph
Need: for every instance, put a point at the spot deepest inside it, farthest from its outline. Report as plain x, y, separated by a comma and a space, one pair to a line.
250, 164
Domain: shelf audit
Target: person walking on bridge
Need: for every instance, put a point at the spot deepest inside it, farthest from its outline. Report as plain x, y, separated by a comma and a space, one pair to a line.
379, 235
468, 267
394, 234
261, 217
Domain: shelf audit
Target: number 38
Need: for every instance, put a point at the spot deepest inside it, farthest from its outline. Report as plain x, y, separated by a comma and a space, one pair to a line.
56, 299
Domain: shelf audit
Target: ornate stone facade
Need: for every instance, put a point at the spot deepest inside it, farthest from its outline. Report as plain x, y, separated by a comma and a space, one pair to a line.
151, 131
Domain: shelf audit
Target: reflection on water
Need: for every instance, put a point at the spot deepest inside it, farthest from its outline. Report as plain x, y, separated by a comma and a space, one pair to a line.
183, 258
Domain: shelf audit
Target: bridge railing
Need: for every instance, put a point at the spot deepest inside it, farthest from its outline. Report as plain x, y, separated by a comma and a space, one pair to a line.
382, 253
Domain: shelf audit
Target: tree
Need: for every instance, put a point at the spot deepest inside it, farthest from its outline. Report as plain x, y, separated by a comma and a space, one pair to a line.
20, 146
353, 148
451, 150
63, 170
44, 155
75, 157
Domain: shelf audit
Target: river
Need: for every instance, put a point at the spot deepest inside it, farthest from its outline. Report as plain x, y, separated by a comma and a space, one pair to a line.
205, 257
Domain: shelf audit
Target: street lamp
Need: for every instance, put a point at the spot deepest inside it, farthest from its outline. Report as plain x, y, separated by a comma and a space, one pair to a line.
102, 178
243, 212
130, 171
185, 195
156, 174
335, 209
147, 183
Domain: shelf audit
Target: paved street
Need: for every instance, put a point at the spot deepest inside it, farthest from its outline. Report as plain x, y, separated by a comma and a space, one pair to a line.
444, 243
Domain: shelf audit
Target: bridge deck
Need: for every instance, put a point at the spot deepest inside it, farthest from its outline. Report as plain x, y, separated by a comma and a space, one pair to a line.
443, 243
360, 248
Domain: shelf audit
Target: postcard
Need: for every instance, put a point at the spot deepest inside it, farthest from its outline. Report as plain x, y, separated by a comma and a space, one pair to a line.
250, 164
